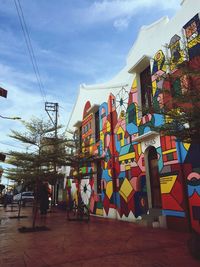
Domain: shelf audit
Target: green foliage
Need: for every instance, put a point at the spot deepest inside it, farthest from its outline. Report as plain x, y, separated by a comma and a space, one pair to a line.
47, 152
181, 104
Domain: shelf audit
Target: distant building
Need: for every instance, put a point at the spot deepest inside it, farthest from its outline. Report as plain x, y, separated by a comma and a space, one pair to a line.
143, 176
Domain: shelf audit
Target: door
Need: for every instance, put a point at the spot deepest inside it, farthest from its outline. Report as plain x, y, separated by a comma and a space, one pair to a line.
154, 178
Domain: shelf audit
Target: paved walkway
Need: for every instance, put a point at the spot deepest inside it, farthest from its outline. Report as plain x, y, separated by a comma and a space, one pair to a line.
101, 242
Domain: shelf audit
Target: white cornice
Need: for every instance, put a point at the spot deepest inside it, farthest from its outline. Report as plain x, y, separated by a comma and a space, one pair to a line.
103, 86
140, 65
77, 124
145, 136
93, 109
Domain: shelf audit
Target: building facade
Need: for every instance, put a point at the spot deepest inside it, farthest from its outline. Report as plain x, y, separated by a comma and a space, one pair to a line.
142, 176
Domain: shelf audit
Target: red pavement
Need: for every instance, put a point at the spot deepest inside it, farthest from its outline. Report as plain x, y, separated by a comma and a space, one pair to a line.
101, 242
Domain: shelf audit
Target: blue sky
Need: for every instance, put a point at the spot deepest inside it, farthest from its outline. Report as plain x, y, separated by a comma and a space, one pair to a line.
74, 41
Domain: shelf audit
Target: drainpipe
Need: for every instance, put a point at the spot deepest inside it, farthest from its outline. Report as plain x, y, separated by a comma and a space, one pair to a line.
113, 157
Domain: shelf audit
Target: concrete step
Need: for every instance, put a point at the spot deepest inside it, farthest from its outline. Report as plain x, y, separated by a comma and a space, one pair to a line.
155, 212
148, 219
153, 218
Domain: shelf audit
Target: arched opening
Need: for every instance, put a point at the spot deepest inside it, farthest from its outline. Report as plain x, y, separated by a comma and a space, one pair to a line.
154, 178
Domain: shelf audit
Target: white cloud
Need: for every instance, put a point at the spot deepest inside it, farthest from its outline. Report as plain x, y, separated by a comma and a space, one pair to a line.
9, 73
121, 23
62, 18
24, 103
120, 11
27, 104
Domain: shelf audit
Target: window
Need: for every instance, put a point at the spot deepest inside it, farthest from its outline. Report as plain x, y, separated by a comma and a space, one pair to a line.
144, 83
175, 49
176, 88
131, 114
97, 129
146, 89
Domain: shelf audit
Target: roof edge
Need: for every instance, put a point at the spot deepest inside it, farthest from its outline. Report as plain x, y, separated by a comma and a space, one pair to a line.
164, 19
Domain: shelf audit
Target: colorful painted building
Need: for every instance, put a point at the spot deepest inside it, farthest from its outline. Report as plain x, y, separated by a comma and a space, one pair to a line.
142, 176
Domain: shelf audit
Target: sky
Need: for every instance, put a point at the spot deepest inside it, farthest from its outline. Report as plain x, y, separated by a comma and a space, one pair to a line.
74, 42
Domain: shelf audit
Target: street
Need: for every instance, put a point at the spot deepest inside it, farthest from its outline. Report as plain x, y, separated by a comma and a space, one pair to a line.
101, 242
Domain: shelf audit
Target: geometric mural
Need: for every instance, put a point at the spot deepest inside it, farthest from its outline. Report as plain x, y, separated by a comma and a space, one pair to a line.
125, 187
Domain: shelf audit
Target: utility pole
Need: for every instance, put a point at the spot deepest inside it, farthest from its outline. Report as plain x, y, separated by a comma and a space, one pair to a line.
52, 111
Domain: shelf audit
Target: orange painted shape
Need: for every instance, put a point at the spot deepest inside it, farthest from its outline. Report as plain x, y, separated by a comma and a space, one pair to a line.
87, 119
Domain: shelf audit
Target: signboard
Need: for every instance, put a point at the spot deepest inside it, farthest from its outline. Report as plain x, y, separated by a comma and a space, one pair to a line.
2, 157
3, 92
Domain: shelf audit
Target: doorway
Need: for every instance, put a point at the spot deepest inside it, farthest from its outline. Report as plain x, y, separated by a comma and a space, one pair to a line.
154, 178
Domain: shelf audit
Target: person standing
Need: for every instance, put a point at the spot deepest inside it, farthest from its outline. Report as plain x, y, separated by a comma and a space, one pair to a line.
5, 200
43, 196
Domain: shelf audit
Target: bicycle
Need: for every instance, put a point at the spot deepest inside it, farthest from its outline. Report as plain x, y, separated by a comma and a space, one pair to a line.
78, 212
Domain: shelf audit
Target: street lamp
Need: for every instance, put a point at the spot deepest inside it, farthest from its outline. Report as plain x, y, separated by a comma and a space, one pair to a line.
10, 118
2, 155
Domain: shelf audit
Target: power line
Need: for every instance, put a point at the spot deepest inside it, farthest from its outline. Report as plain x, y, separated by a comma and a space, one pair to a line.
30, 47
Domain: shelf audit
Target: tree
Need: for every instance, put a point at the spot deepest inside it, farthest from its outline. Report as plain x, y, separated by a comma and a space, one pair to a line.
45, 152
37, 165
48, 151
179, 103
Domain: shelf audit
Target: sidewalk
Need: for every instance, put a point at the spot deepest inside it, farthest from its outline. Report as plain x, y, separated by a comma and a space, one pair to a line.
101, 242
